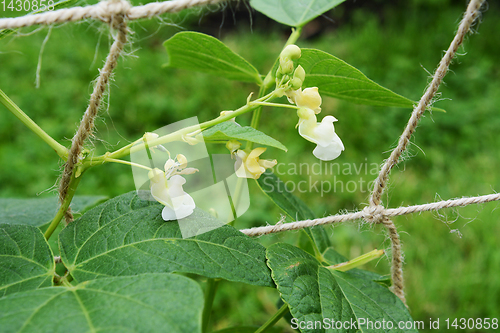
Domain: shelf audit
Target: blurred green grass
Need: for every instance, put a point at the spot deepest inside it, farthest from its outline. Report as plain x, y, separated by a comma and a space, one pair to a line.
453, 154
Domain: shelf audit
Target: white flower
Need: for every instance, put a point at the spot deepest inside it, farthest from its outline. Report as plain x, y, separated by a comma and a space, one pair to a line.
329, 146
166, 188
249, 165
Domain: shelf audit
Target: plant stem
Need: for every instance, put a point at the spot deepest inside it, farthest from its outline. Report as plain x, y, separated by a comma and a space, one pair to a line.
358, 261
209, 301
278, 105
273, 320
73, 184
177, 135
128, 163
268, 81
16, 111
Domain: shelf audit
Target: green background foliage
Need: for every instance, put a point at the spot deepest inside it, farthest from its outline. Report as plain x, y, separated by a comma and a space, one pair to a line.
453, 154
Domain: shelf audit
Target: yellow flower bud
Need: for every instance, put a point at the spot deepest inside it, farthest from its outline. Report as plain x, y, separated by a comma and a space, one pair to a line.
233, 145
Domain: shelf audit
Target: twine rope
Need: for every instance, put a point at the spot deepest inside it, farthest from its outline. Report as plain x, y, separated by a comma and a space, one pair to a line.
470, 16
370, 214
104, 11
86, 127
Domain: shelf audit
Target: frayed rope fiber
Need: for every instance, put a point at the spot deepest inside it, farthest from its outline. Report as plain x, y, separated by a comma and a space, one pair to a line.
103, 11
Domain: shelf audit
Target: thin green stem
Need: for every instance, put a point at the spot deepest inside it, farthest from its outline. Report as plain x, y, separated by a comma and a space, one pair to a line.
175, 136
73, 184
236, 198
128, 163
256, 114
16, 111
278, 105
209, 301
273, 320
294, 36
268, 82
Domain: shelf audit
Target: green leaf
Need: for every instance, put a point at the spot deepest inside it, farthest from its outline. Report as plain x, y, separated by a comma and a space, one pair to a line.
127, 236
199, 52
26, 261
39, 211
295, 208
338, 79
143, 303
314, 293
294, 13
228, 130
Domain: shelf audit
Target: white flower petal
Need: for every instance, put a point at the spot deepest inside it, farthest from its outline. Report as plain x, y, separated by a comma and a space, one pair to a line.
325, 131
168, 214
307, 127
174, 185
331, 151
183, 206
160, 193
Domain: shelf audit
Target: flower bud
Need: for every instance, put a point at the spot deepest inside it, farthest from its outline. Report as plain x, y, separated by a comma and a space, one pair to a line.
182, 161
291, 52
300, 73
305, 113
233, 145
148, 136
296, 83
286, 66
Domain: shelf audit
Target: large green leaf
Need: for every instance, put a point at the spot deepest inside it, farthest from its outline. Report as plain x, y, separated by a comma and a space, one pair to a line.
295, 208
26, 261
127, 236
143, 303
314, 293
229, 130
39, 211
199, 52
294, 13
338, 79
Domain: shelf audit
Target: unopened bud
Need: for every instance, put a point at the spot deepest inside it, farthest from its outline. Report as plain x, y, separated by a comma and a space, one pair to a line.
182, 161
300, 73
291, 52
233, 145
296, 83
305, 113
286, 66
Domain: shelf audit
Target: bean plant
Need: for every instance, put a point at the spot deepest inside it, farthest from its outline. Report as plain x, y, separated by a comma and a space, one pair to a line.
151, 260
